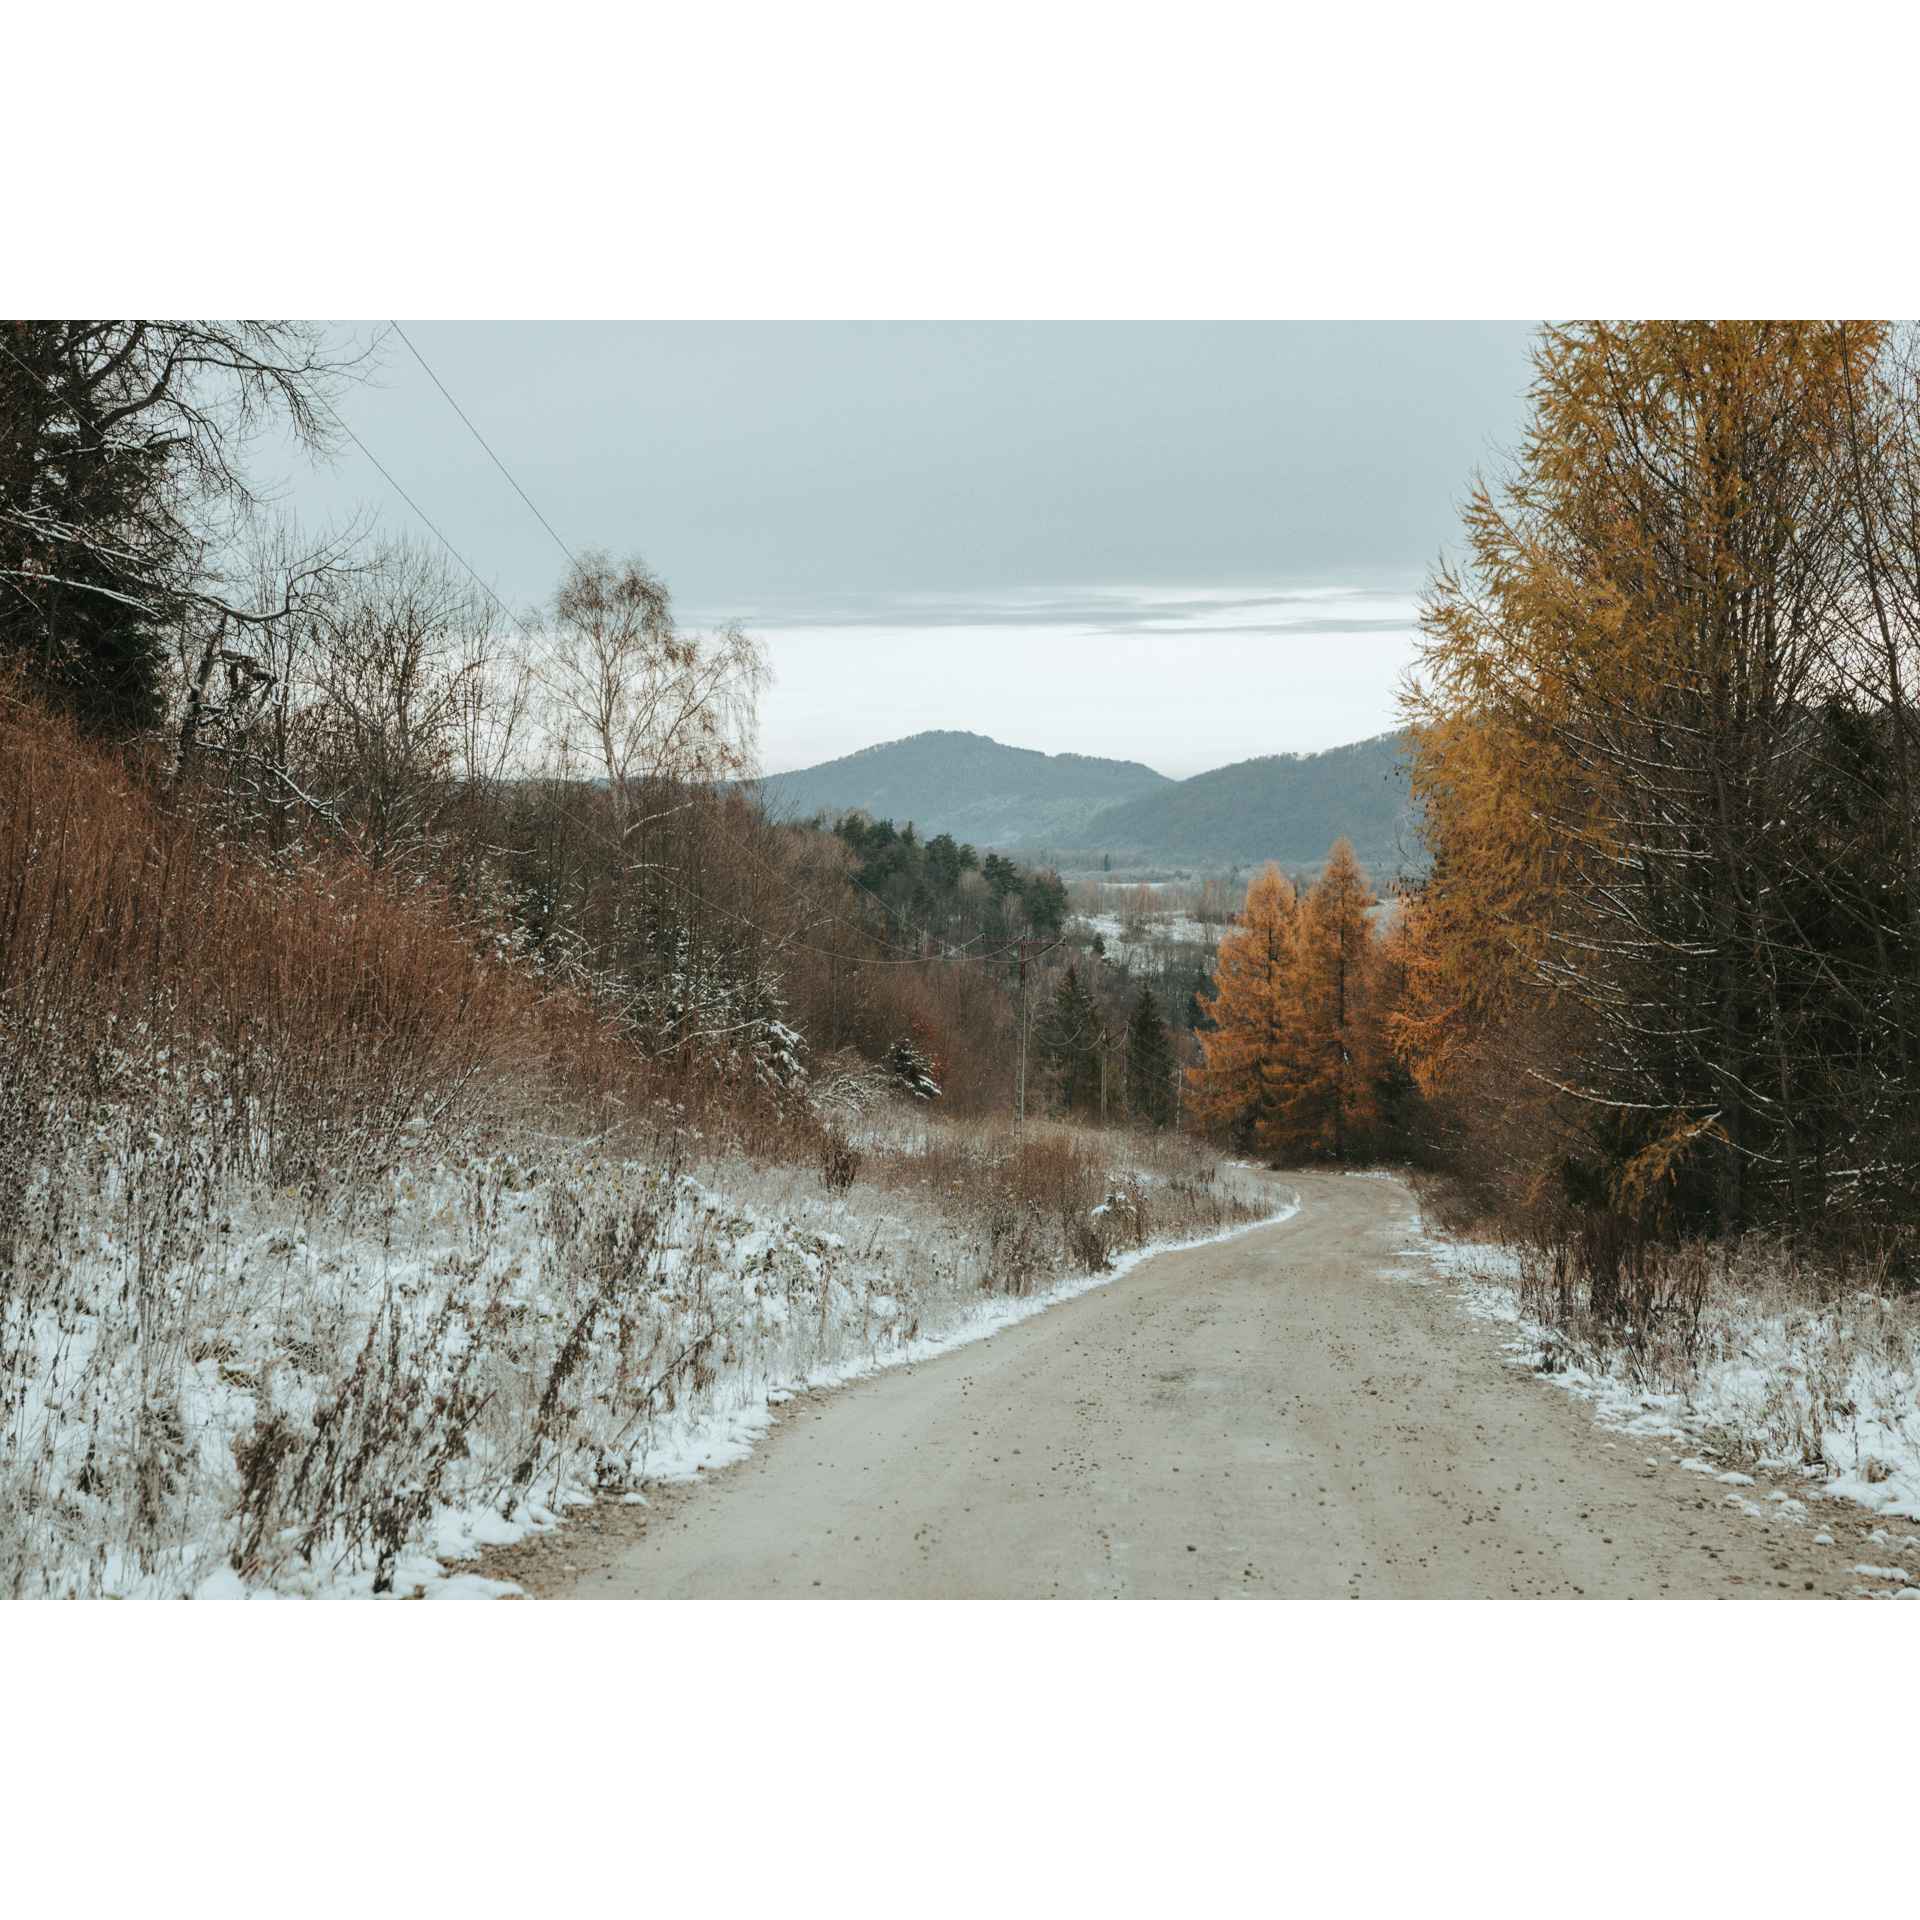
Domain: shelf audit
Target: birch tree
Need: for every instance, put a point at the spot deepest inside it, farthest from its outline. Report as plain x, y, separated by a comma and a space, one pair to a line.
648, 701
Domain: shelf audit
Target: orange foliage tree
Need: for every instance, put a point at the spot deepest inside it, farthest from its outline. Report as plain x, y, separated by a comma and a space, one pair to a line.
1329, 1060
1294, 1063
1633, 707
1239, 1089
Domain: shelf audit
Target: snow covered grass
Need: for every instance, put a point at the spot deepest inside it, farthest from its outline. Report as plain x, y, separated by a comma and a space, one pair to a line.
215, 1386
1160, 926
1740, 1354
1166, 926
1138, 943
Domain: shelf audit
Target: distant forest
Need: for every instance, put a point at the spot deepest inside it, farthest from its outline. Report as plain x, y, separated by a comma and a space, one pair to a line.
1288, 808
1081, 998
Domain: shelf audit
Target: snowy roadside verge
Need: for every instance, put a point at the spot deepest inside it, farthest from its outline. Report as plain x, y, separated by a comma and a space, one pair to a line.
1818, 1397
726, 1435
259, 1391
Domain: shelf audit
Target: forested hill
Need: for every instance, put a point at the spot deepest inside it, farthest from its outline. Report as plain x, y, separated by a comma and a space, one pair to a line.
969, 786
1285, 807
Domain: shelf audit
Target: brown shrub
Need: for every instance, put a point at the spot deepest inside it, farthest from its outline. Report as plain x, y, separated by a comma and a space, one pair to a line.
1031, 1192
293, 1015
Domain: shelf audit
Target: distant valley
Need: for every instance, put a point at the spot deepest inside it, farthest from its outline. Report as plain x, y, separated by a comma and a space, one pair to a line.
1078, 811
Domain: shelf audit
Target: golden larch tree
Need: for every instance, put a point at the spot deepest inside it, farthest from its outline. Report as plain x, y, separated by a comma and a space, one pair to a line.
1252, 1006
1621, 722
1328, 1061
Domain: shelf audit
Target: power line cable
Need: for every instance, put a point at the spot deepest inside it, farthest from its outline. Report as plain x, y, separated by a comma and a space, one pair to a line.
475, 431
465, 564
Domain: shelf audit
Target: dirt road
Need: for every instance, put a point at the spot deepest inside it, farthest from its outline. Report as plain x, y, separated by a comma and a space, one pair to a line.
1275, 1416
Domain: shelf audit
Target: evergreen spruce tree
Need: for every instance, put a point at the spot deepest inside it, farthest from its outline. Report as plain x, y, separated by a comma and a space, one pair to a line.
911, 1068
1001, 875
1070, 1035
1149, 1062
1046, 896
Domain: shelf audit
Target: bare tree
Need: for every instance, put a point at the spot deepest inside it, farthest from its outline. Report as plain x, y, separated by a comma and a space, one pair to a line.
413, 704
648, 701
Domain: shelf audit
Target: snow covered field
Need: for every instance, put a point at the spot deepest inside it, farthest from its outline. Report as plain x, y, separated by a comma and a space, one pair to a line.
218, 1393
1136, 944
1822, 1392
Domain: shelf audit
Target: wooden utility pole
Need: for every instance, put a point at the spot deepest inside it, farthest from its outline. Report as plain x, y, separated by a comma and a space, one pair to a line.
1020, 1084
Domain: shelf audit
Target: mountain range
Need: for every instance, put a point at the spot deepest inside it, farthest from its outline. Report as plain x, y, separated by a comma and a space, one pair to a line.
1074, 808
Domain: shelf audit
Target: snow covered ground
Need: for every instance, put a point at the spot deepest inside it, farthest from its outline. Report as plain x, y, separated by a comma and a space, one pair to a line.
1134, 947
1822, 1395
252, 1397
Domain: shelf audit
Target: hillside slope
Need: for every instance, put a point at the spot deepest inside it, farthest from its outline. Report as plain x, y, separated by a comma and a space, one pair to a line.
1285, 807
1073, 808
967, 785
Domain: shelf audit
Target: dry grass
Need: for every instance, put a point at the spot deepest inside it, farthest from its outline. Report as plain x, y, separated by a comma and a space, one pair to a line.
160, 994
1635, 1305
1054, 1194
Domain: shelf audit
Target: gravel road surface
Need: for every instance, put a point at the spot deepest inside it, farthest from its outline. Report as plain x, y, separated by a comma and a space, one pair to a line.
1276, 1416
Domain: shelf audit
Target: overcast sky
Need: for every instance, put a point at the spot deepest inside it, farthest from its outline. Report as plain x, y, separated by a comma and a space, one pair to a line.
1180, 543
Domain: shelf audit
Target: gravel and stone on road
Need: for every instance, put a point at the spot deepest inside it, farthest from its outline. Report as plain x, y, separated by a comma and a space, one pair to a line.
1280, 1415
